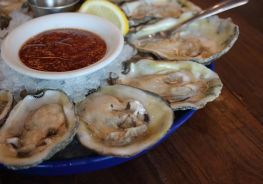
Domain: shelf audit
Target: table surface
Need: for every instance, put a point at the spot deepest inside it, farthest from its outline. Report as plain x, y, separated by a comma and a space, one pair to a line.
222, 143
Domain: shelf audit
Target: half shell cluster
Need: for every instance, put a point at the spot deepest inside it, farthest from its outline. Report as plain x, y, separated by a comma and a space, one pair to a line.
137, 108
116, 120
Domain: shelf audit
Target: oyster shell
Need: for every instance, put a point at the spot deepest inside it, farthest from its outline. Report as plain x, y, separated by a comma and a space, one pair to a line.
145, 10
7, 6
202, 41
6, 101
37, 128
122, 120
185, 84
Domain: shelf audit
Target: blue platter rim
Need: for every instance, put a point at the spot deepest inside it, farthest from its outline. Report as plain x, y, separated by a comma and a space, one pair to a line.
98, 162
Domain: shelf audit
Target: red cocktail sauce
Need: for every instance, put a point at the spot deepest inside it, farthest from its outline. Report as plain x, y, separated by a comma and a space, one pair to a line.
62, 50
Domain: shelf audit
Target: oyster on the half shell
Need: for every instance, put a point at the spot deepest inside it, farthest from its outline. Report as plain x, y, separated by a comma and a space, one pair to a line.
144, 10
121, 120
37, 128
6, 101
202, 41
185, 84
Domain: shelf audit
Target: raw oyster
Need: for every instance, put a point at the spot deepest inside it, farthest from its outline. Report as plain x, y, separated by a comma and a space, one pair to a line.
37, 128
185, 84
202, 41
121, 120
6, 101
7, 6
145, 10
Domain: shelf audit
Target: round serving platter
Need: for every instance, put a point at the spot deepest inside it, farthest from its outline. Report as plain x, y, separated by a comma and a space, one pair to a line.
94, 162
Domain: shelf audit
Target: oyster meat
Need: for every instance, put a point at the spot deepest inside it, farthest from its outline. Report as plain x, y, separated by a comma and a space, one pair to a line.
202, 41
37, 128
6, 101
121, 120
185, 84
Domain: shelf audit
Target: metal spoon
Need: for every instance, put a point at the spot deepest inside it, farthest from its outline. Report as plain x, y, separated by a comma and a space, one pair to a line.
213, 10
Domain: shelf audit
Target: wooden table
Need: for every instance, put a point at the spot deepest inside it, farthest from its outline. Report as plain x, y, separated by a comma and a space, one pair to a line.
222, 143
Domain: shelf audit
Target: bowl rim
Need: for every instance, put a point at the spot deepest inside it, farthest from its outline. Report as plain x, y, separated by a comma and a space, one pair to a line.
53, 7
116, 49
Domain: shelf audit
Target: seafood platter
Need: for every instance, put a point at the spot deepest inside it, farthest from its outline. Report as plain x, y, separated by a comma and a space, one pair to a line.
49, 131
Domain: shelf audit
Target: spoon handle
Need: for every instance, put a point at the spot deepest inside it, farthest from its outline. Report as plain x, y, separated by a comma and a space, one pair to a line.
213, 10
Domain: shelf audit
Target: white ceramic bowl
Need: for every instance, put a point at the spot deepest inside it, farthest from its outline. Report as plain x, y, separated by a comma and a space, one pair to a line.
106, 30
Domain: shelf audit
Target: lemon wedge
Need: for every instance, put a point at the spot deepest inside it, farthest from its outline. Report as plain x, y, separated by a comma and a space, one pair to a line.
107, 10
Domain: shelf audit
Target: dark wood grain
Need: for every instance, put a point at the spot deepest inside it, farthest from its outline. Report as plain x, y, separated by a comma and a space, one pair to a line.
222, 143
